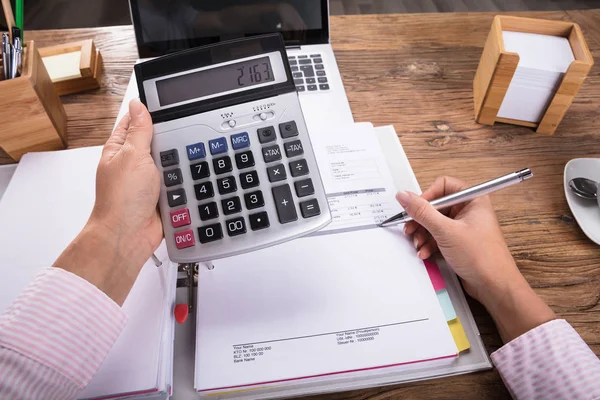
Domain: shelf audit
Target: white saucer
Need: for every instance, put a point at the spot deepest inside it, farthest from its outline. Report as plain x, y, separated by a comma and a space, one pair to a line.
586, 212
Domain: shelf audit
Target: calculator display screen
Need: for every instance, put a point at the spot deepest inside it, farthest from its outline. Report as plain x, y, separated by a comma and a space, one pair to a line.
212, 81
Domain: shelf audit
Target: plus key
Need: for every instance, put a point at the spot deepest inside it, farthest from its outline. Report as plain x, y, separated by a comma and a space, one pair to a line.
284, 203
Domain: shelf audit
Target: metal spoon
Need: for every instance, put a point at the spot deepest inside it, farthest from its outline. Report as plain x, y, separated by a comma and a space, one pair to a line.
584, 188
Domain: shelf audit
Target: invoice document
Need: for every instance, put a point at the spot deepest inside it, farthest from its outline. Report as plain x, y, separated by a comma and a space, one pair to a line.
353, 300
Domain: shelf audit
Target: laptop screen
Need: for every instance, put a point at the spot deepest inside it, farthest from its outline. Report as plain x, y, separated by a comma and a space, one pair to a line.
165, 26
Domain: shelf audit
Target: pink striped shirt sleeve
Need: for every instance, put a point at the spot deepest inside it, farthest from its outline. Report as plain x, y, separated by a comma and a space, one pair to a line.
549, 362
55, 336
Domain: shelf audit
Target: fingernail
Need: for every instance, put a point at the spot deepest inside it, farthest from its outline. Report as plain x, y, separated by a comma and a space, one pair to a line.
404, 231
416, 242
135, 108
403, 198
420, 254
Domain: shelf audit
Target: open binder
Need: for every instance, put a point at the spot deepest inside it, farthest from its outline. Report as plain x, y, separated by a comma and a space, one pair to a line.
179, 359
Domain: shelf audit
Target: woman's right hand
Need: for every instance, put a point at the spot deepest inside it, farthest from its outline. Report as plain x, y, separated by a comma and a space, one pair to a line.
469, 237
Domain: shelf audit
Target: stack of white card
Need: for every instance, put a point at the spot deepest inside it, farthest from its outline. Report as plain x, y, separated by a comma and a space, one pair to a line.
543, 62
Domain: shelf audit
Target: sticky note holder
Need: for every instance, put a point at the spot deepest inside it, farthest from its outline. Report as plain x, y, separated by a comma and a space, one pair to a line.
32, 118
73, 67
497, 67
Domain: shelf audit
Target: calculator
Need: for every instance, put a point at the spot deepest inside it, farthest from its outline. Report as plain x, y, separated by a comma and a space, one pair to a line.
238, 172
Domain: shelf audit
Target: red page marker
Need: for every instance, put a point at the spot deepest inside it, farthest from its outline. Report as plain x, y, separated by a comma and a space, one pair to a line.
181, 313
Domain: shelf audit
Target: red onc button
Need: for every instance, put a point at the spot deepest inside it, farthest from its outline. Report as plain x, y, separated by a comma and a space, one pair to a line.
184, 239
180, 218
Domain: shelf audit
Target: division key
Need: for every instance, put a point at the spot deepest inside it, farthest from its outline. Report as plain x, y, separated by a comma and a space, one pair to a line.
284, 203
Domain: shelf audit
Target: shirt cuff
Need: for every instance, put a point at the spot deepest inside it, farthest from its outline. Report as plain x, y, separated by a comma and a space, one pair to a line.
549, 361
64, 322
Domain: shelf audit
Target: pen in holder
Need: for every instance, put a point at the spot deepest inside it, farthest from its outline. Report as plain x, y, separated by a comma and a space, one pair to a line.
32, 118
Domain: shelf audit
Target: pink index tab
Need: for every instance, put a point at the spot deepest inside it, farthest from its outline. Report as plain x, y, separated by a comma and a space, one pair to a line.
184, 239
180, 218
434, 274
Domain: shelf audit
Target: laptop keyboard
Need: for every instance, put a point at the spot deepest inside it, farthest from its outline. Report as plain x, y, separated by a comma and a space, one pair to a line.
309, 73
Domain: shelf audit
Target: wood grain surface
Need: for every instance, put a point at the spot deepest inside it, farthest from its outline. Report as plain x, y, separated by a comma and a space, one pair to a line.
415, 71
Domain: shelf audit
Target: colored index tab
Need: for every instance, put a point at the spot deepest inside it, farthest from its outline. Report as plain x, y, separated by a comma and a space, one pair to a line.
240, 140
196, 151
459, 335
446, 303
435, 275
218, 146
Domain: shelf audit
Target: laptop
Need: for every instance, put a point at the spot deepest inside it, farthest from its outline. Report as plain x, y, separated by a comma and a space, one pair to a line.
166, 26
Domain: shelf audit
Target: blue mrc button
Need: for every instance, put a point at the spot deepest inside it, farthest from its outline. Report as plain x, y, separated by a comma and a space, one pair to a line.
195, 151
217, 146
240, 140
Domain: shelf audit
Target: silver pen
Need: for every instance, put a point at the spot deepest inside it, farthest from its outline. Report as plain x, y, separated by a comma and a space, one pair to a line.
6, 58
17, 57
467, 194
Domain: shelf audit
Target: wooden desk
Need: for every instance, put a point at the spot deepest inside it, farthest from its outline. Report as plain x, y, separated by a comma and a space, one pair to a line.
415, 71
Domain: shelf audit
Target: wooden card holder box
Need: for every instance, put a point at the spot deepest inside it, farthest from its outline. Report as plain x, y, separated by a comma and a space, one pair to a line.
82, 76
497, 67
32, 118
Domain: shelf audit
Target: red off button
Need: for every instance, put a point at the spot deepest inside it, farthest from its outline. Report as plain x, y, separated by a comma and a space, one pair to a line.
184, 239
180, 218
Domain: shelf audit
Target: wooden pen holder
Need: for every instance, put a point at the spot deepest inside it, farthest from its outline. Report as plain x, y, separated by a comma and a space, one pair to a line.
32, 118
497, 67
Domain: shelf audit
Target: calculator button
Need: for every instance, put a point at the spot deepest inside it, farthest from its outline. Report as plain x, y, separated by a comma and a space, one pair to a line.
310, 208
295, 69
184, 239
180, 218
240, 141
319, 67
208, 211
315, 55
300, 88
324, 86
176, 198
259, 221
298, 168
249, 180
304, 62
271, 153
298, 81
318, 60
312, 88
320, 73
236, 226
276, 173
288, 129
226, 185
200, 170
303, 56
173, 177
169, 158
231, 206
218, 146
222, 165
254, 200
311, 80
284, 203
294, 149
210, 233
293, 62
308, 70
304, 188
204, 191
195, 151
266, 135
297, 75
322, 80
244, 160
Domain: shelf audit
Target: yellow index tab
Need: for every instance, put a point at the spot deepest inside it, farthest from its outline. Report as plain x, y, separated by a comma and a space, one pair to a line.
459, 335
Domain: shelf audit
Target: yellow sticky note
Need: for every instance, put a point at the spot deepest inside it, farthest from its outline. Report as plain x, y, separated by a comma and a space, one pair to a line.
459, 335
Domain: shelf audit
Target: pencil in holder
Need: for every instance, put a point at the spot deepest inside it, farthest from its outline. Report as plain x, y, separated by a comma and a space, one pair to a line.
32, 117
